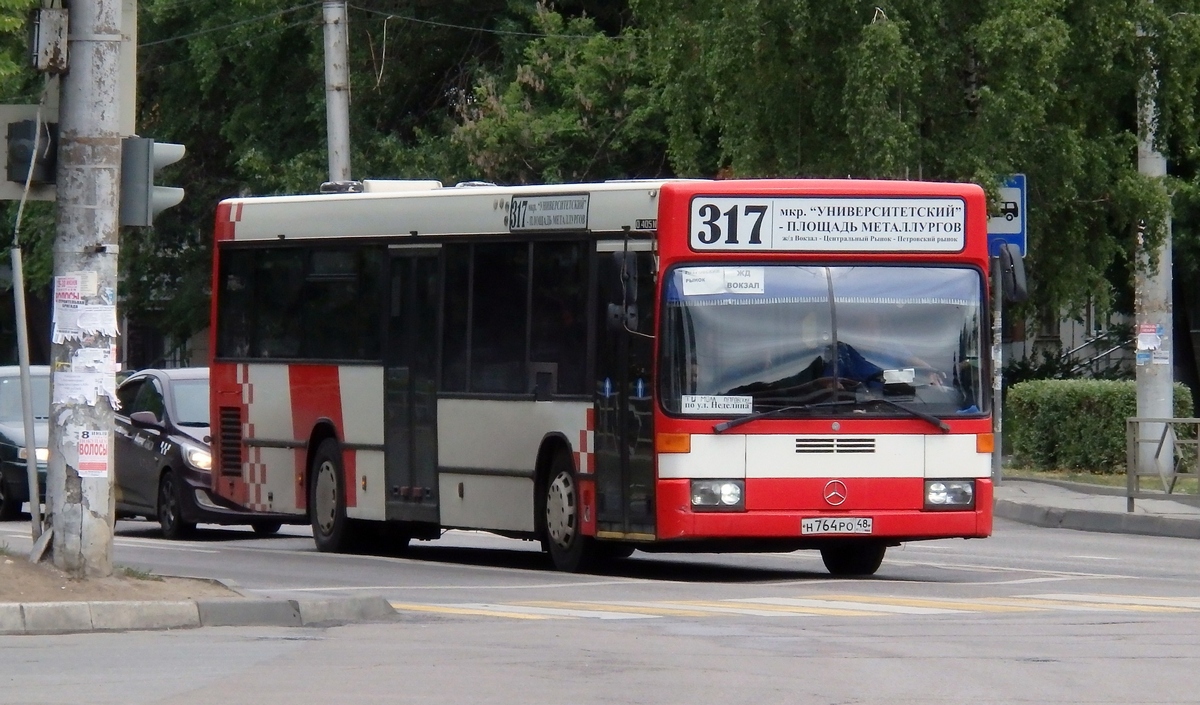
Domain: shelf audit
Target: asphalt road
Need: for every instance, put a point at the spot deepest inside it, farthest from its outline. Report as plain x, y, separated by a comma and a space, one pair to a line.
1029, 615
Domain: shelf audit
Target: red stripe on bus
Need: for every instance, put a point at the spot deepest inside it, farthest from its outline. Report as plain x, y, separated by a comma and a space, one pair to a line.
317, 397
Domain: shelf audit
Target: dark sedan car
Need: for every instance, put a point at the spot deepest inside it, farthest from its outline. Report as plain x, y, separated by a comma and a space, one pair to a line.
14, 475
163, 460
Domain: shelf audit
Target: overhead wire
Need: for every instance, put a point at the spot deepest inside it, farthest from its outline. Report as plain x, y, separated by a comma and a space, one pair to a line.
231, 25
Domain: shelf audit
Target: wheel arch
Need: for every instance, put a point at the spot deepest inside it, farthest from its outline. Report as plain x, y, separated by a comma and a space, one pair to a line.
323, 430
552, 444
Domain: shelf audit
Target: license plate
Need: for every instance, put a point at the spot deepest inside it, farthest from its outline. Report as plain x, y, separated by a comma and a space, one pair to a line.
835, 525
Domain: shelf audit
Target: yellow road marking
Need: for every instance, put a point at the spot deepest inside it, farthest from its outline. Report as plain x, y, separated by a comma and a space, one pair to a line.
1081, 606
620, 608
445, 609
967, 605
766, 607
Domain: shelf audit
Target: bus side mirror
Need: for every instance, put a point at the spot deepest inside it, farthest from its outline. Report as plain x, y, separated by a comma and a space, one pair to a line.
622, 305
622, 317
1012, 274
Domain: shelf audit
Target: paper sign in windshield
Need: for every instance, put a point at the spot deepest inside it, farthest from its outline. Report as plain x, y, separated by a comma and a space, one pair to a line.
714, 404
701, 281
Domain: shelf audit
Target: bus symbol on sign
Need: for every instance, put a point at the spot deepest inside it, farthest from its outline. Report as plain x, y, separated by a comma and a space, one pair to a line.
1009, 210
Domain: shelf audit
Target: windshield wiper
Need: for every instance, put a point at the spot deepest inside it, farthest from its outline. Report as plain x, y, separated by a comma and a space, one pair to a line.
726, 425
945, 427
930, 418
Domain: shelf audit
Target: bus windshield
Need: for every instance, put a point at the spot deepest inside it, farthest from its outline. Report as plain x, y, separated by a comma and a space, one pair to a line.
746, 339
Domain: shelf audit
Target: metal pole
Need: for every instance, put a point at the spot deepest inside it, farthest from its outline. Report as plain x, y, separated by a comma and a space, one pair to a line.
1152, 297
82, 382
337, 90
997, 373
35, 505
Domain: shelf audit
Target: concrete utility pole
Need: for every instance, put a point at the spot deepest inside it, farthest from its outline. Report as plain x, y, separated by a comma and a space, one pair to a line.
1152, 293
80, 483
337, 90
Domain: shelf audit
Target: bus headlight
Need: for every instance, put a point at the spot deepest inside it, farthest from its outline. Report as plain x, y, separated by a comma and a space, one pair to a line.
719, 494
197, 457
949, 494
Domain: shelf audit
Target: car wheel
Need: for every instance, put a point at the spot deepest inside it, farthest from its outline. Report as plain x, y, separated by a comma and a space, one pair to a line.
266, 528
853, 559
170, 507
332, 530
569, 549
10, 507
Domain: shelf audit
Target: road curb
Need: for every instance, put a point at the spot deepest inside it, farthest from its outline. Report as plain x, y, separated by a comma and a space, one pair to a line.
1104, 522
32, 618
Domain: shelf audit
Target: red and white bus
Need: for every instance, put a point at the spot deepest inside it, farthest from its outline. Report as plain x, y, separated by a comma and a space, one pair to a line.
677, 365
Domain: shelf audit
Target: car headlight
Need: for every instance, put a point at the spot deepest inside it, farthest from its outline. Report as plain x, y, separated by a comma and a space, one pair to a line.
727, 495
197, 457
949, 494
41, 454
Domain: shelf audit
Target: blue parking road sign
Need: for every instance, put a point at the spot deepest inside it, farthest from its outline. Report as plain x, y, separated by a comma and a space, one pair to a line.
1009, 225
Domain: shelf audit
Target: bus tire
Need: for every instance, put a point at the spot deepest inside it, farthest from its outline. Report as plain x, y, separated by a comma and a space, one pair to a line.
853, 559
332, 530
569, 549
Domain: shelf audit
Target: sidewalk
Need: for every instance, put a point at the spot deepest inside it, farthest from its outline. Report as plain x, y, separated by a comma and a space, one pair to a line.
1064, 505
74, 617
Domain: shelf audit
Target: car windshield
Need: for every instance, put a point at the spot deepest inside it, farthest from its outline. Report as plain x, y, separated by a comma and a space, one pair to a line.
10, 398
191, 401
738, 340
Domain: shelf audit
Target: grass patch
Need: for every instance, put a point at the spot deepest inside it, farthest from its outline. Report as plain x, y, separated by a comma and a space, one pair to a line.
1184, 484
5, 550
136, 574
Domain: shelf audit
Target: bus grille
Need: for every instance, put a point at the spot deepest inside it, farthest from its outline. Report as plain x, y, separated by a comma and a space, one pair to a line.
835, 445
231, 440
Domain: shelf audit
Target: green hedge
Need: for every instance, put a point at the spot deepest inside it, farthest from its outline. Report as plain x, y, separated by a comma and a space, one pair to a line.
1075, 423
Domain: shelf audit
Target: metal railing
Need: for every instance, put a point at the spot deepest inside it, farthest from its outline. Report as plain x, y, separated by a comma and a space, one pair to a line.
1104, 357
1175, 457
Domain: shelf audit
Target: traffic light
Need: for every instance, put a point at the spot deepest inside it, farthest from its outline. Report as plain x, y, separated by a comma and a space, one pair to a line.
141, 200
21, 158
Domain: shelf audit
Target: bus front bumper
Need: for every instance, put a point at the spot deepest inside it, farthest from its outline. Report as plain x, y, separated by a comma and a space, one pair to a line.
894, 506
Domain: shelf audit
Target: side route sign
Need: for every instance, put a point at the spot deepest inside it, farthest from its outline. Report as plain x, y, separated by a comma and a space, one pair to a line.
1009, 225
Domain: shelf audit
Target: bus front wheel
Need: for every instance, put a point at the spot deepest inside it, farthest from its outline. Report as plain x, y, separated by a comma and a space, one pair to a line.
853, 559
569, 549
327, 500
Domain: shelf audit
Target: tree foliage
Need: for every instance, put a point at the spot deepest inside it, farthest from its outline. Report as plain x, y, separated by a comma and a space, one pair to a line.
518, 91
946, 90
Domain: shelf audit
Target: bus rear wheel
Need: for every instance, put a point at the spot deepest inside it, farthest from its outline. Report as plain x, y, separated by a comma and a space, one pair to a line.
853, 559
569, 549
327, 500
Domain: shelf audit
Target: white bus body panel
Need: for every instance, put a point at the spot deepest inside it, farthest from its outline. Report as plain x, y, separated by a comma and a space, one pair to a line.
362, 423
480, 210
479, 436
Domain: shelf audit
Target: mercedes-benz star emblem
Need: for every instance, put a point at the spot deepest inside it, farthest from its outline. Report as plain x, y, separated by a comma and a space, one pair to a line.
835, 492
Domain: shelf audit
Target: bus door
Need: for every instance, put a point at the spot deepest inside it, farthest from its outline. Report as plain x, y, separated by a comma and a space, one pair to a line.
624, 458
410, 384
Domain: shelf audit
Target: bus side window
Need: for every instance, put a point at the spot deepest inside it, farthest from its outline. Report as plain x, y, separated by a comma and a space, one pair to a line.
558, 334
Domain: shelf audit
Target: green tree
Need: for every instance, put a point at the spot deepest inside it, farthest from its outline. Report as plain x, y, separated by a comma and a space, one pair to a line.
574, 104
933, 89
